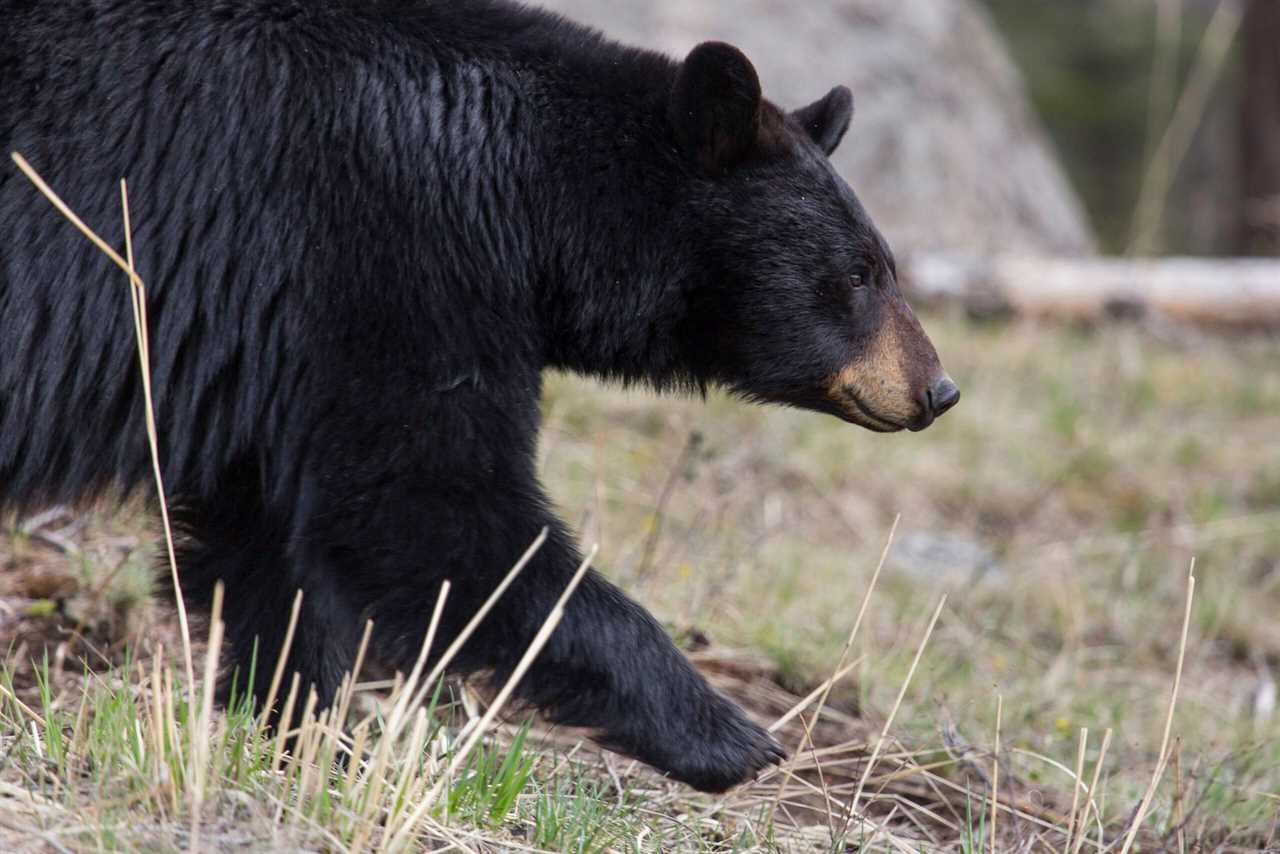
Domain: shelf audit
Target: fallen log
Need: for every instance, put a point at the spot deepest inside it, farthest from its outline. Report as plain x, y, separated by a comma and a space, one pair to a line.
1227, 292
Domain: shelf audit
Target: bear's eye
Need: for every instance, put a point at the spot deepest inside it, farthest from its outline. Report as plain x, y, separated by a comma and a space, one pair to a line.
856, 280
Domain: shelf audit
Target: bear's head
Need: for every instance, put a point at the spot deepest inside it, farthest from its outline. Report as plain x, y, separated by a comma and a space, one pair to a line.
799, 301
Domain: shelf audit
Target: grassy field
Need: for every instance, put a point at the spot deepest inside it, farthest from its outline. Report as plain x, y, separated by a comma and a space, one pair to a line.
1058, 508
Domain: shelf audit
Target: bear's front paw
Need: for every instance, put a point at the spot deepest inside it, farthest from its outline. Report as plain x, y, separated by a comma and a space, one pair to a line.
727, 749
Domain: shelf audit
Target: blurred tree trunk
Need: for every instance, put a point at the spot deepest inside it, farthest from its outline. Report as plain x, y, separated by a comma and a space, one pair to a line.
1259, 223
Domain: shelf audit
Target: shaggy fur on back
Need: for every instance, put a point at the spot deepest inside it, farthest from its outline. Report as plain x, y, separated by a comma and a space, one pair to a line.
261, 141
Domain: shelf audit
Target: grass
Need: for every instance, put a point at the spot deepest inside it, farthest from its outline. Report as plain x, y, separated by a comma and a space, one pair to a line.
1059, 506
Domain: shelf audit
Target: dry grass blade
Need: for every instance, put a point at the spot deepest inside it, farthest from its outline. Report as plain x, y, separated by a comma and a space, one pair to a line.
400, 837
884, 732
808, 699
995, 774
347, 692
376, 775
402, 705
278, 674
1179, 821
1093, 790
138, 296
1168, 721
23, 707
201, 730
1075, 785
286, 714
66, 211
463, 636
824, 690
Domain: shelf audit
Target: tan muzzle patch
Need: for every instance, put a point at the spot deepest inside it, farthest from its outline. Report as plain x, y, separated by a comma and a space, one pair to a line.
876, 389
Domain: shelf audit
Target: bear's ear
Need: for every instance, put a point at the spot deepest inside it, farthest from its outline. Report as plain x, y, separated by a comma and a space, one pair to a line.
827, 118
715, 105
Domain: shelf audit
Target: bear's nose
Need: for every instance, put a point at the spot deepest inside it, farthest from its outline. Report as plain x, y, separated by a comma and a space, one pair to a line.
942, 395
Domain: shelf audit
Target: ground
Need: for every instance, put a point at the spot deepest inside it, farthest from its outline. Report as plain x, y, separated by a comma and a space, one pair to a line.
1058, 508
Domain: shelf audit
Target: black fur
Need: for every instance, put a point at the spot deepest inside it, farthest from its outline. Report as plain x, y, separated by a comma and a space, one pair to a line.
366, 227
827, 119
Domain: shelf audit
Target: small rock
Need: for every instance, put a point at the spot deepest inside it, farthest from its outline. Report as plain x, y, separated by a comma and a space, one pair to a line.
944, 558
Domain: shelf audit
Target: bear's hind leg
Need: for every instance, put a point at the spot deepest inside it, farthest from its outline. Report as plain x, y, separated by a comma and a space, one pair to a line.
235, 541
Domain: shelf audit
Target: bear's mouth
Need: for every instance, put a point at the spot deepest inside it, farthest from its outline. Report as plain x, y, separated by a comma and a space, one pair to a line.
854, 411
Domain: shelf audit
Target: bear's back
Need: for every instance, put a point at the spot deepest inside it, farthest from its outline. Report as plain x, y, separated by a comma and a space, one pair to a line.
286, 161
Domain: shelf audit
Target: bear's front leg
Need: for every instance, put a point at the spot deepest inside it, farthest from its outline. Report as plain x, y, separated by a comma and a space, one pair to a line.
447, 491
608, 667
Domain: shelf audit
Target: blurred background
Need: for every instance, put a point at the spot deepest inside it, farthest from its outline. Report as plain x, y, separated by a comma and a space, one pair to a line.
1016, 126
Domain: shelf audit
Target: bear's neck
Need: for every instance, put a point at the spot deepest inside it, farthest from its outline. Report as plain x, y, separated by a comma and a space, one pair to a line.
614, 263
551, 189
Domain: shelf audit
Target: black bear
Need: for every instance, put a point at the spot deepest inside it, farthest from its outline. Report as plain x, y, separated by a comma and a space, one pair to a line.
367, 227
